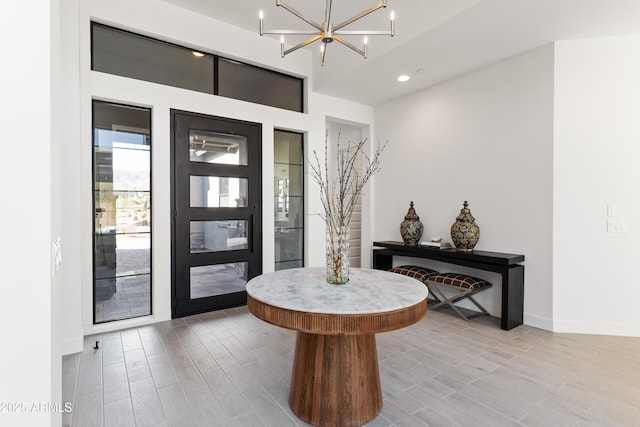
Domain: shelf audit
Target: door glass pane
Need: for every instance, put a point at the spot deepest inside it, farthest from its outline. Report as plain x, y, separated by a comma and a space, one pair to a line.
285, 265
288, 244
294, 207
287, 148
289, 200
122, 212
289, 179
220, 279
214, 236
220, 148
218, 192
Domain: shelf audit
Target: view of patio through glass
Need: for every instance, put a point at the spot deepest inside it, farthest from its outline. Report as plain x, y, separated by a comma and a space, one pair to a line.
122, 209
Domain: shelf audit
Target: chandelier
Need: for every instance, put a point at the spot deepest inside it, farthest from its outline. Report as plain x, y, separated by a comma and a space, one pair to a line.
327, 32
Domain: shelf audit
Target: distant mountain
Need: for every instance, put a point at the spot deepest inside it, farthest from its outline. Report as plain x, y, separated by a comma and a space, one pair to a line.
129, 180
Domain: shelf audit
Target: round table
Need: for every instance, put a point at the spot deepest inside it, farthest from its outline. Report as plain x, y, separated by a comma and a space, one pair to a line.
335, 379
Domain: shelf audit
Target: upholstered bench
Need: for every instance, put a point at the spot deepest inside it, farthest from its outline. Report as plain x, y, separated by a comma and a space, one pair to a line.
417, 272
420, 273
465, 285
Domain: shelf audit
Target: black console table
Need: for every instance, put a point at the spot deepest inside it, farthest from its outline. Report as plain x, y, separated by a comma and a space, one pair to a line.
508, 265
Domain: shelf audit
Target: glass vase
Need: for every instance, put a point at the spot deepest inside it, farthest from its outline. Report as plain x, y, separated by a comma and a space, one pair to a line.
338, 255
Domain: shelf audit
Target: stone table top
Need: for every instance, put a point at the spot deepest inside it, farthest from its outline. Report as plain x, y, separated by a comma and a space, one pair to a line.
307, 290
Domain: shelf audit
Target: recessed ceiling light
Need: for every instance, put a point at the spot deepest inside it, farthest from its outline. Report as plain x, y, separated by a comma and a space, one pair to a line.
403, 78
197, 54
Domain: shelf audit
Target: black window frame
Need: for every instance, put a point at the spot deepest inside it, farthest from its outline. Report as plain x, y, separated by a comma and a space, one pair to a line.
94, 211
302, 164
215, 76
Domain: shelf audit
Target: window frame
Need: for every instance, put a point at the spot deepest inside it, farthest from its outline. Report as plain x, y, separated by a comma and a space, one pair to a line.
215, 77
94, 211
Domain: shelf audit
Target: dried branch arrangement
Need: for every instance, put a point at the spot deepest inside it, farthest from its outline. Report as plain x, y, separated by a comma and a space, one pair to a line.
339, 196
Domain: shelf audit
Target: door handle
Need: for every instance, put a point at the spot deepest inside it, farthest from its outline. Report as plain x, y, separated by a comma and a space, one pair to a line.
250, 234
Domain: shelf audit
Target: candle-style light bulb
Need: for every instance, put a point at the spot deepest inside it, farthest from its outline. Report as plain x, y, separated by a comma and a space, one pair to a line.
282, 46
261, 16
366, 42
393, 23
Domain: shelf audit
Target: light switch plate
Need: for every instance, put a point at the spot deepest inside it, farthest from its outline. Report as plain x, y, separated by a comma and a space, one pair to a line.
56, 257
616, 226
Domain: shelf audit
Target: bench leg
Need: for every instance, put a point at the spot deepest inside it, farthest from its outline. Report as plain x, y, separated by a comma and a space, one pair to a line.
442, 300
482, 309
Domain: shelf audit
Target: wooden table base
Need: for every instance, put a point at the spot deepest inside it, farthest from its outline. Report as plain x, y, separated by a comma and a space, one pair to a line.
335, 379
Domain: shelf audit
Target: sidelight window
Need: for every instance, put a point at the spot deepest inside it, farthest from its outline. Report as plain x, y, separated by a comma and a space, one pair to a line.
288, 199
122, 211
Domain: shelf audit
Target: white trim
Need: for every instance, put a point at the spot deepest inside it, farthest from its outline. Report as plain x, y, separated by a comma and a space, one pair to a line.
538, 322
71, 346
117, 325
597, 328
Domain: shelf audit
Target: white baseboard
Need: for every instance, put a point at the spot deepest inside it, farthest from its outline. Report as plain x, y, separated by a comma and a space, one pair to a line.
577, 327
158, 316
71, 346
538, 322
597, 328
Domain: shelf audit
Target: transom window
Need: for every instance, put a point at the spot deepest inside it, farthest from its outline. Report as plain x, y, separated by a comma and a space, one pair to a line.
127, 54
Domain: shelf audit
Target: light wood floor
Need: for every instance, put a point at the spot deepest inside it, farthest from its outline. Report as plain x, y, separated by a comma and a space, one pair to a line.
230, 369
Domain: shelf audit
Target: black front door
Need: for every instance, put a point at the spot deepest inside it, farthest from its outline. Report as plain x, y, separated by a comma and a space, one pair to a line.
217, 211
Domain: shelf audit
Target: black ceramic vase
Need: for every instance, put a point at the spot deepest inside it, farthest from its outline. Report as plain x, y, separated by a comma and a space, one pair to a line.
465, 232
411, 228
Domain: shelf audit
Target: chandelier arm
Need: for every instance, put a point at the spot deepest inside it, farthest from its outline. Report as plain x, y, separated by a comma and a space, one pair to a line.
303, 44
327, 32
309, 21
360, 15
349, 45
292, 32
363, 33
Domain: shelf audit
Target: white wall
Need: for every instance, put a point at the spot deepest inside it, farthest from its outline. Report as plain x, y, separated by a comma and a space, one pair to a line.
30, 358
69, 154
596, 153
485, 137
181, 26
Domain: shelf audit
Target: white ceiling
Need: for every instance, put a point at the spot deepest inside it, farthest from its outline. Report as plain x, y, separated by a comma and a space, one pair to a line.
442, 38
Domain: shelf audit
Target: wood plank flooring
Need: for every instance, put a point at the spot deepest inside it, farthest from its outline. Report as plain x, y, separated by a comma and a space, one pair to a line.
229, 369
